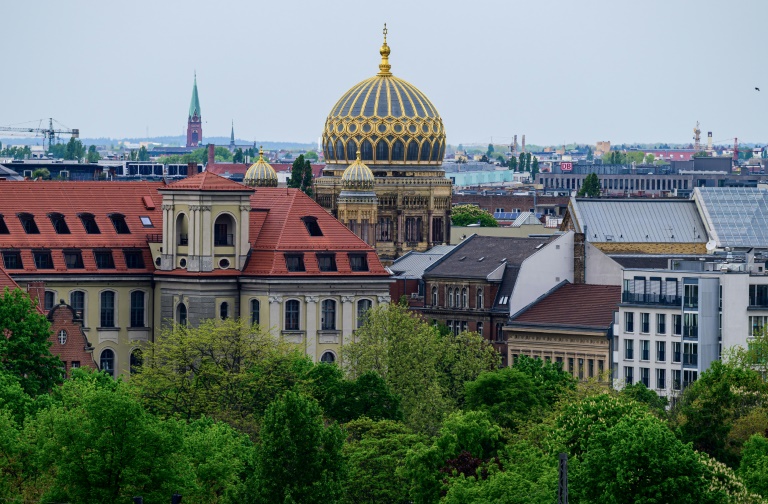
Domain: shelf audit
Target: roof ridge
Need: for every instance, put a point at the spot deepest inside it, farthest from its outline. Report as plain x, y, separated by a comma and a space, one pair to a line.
539, 299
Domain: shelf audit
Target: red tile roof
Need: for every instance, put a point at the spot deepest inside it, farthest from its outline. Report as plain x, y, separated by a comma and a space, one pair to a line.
207, 181
575, 305
276, 228
6, 281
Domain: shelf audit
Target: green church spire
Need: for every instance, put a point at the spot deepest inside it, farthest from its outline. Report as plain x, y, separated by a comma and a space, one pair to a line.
194, 105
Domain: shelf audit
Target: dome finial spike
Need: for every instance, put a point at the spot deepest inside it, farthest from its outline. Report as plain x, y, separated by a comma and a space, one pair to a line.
384, 66
261, 153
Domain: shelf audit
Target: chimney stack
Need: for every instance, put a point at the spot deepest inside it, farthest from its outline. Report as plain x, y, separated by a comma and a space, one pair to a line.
36, 291
211, 154
192, 169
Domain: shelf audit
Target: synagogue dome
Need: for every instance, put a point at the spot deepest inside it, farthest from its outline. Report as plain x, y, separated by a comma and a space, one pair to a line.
261, 173
388, 119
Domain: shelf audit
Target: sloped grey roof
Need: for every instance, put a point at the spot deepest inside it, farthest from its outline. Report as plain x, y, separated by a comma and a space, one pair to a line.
413, 264
639, 221
479, 256
735, 216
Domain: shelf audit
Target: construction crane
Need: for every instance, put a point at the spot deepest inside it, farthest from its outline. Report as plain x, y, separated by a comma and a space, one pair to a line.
697, 138
48, 133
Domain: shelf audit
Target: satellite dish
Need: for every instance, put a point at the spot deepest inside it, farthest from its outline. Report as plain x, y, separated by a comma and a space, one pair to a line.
711, 245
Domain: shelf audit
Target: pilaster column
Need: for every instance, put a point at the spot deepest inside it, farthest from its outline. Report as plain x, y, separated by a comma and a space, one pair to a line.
311, 326
275, 321
242, 250
347, 319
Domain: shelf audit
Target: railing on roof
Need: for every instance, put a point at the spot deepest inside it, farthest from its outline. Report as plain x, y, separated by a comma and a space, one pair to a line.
155, 238
655, 299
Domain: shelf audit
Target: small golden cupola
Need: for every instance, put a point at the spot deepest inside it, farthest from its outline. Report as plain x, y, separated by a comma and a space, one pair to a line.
357, 176
260, 173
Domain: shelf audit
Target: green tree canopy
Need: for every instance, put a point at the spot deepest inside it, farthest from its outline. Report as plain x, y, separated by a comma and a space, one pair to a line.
590, 187
464, 215
24, 345
310, 467
93, 155
301, 175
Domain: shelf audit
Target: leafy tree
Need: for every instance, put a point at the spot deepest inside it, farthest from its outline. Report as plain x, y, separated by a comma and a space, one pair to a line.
375, 453
635, 157
57, 151
93, 155
700, 154
508, 395
143, 154
102, 446
649, 158
238, 156
590, 187
301, 175
311, 156
534, 168
460, 148
42, 173
710, 406
310, 467
74, 150
521, 161
24, 345
528, 162
463, 358
214, 370
753, 469
489, 152
638, 392
484, 159
405, 351
464, 215
549, 378
501, 160
512, 163
590, 154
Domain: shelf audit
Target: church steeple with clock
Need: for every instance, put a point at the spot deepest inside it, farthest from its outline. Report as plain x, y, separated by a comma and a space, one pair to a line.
194, 122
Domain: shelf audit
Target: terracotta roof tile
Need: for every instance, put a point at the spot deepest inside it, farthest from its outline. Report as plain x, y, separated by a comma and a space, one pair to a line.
206, 181
578, 305
6, 281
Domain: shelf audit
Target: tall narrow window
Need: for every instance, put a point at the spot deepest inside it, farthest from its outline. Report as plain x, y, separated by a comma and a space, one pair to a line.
450, 298
107, 362
292, 315
181, 314
137, 309
629, 349
77, 302
107, 318
629, 322
137, 360
50, 300
464, 298
255, 306
661, 379
384, 229
479, 299
661, 351
362, 310
434, 296
328, 319
224, 310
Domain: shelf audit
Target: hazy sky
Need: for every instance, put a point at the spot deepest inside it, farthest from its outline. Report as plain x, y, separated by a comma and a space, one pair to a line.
566, 71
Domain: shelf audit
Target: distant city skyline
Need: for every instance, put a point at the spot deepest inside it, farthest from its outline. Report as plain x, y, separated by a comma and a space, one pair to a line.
558, 72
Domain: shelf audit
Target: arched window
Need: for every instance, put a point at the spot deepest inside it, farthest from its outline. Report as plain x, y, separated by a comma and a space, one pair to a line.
434, 296
413, 151
499, 332
224, 231
382, 150
137, 360
224, 310
450, 298
398, 150
182, 230
255, 306
181, 314
339, 150
328, 358
366, 151
424, 151
50, 300
328, 319
351, 151
292, 315
435, 150
107, 362
464, 298
480, 328
362, 311
479, 300
77, 302
107, 318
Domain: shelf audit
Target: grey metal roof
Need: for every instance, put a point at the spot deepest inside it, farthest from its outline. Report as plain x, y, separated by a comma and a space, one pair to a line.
735, 216
413, 264
639, 221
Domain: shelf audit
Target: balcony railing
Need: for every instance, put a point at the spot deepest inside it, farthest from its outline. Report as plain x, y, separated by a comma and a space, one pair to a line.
224, 240
690, 360
655, 299
691, 332
155, 238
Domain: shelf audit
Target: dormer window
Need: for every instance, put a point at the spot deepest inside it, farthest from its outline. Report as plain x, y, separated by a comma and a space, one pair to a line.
3, 226
104, 259
59, 224
313, 228
294, 262
73, 259
326, 262
43, 259
118, 220
28, 223
134, 259
89, 223
358, 262
12, 260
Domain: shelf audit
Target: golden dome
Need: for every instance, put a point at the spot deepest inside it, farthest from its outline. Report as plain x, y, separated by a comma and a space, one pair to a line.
388, 119
357, 176
260, 173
